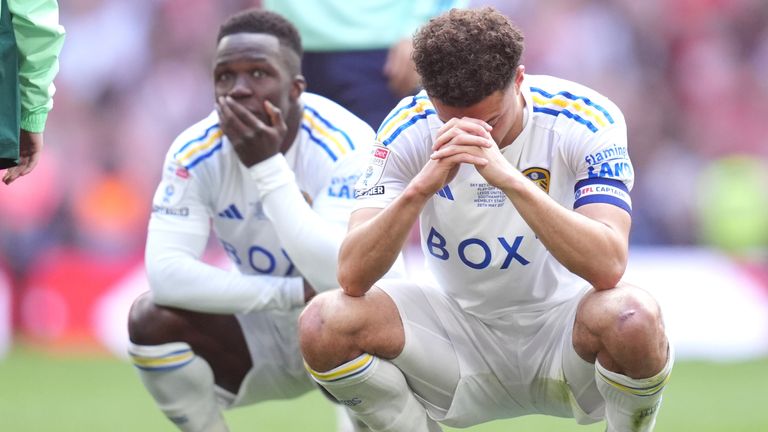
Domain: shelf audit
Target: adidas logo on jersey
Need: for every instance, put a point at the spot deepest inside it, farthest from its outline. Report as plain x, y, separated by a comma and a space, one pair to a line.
231, 212
446, 193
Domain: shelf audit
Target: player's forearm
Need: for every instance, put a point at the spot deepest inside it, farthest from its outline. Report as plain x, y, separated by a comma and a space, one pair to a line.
311, 242
179, 279
198, 287
370, 248
588, 248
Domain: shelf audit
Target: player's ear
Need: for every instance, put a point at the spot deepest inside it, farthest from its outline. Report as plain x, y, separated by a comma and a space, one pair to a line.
519, 75
298, 86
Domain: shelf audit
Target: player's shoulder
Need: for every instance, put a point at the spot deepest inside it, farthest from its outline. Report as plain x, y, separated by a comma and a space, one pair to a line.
326, 115
566, 104
197, 143
332, 131
414, 115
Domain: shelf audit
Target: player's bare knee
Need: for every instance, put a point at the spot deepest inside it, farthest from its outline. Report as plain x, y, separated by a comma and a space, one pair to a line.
638, 316
608, 319
311, 321
139, 315
150, 324
636, 339
327, 331
319, 326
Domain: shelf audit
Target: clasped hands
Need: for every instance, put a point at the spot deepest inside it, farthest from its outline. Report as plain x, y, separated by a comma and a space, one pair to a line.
463, 140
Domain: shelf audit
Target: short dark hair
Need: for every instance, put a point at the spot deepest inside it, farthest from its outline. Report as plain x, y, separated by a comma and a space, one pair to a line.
257, 20
465, 55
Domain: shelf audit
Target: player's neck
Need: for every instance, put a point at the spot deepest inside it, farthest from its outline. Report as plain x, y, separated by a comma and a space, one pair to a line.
518, 125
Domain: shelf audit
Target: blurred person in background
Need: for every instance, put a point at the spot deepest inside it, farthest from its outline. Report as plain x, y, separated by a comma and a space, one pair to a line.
271, 172
359, 53
521, 186
733, 205
30, 41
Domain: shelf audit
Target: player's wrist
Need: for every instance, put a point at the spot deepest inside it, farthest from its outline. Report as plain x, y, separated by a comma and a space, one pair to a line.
296, 291
517, 186
271, 174
248, 157
418, 193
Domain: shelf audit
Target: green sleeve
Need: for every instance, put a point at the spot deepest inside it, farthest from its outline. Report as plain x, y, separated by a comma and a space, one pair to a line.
39, 38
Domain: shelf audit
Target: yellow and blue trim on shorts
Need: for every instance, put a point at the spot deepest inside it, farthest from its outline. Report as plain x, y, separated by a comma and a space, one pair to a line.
200, 148
578, 108
403, 117
332, 139
172, 360
350, 369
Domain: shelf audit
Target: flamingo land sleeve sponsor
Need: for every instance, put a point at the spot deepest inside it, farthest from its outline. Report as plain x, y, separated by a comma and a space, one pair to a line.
610, 162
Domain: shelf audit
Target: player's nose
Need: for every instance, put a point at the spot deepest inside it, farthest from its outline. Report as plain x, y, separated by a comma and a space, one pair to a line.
240, 88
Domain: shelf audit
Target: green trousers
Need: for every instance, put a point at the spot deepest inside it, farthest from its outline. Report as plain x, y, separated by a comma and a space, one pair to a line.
10, 108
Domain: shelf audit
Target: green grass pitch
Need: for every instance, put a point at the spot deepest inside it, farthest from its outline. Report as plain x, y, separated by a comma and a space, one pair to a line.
40, 393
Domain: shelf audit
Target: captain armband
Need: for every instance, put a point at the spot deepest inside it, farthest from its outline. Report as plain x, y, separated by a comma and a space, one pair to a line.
602, 190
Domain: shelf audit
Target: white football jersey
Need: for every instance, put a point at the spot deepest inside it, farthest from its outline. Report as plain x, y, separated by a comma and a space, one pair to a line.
476, 245
205, 185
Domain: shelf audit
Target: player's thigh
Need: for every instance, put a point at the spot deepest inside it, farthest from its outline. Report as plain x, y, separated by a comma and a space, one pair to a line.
431, 337
217, 338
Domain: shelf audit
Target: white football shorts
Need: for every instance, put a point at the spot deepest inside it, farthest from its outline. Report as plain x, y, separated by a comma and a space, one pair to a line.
468, 371
278, 369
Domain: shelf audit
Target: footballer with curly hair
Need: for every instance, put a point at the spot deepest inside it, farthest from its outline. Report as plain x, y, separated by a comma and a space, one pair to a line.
520, 184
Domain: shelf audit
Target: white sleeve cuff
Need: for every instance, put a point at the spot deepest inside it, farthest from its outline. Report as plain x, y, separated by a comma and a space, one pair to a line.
294, 291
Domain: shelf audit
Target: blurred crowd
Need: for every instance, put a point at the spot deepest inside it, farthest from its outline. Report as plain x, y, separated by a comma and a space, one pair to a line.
690, 76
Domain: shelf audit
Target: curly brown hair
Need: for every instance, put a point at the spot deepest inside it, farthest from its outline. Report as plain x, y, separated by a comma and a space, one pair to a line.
465, 55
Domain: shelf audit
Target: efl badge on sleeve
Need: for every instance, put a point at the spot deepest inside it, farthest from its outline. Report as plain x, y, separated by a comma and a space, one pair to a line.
375, 170
174, 183
540, 176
